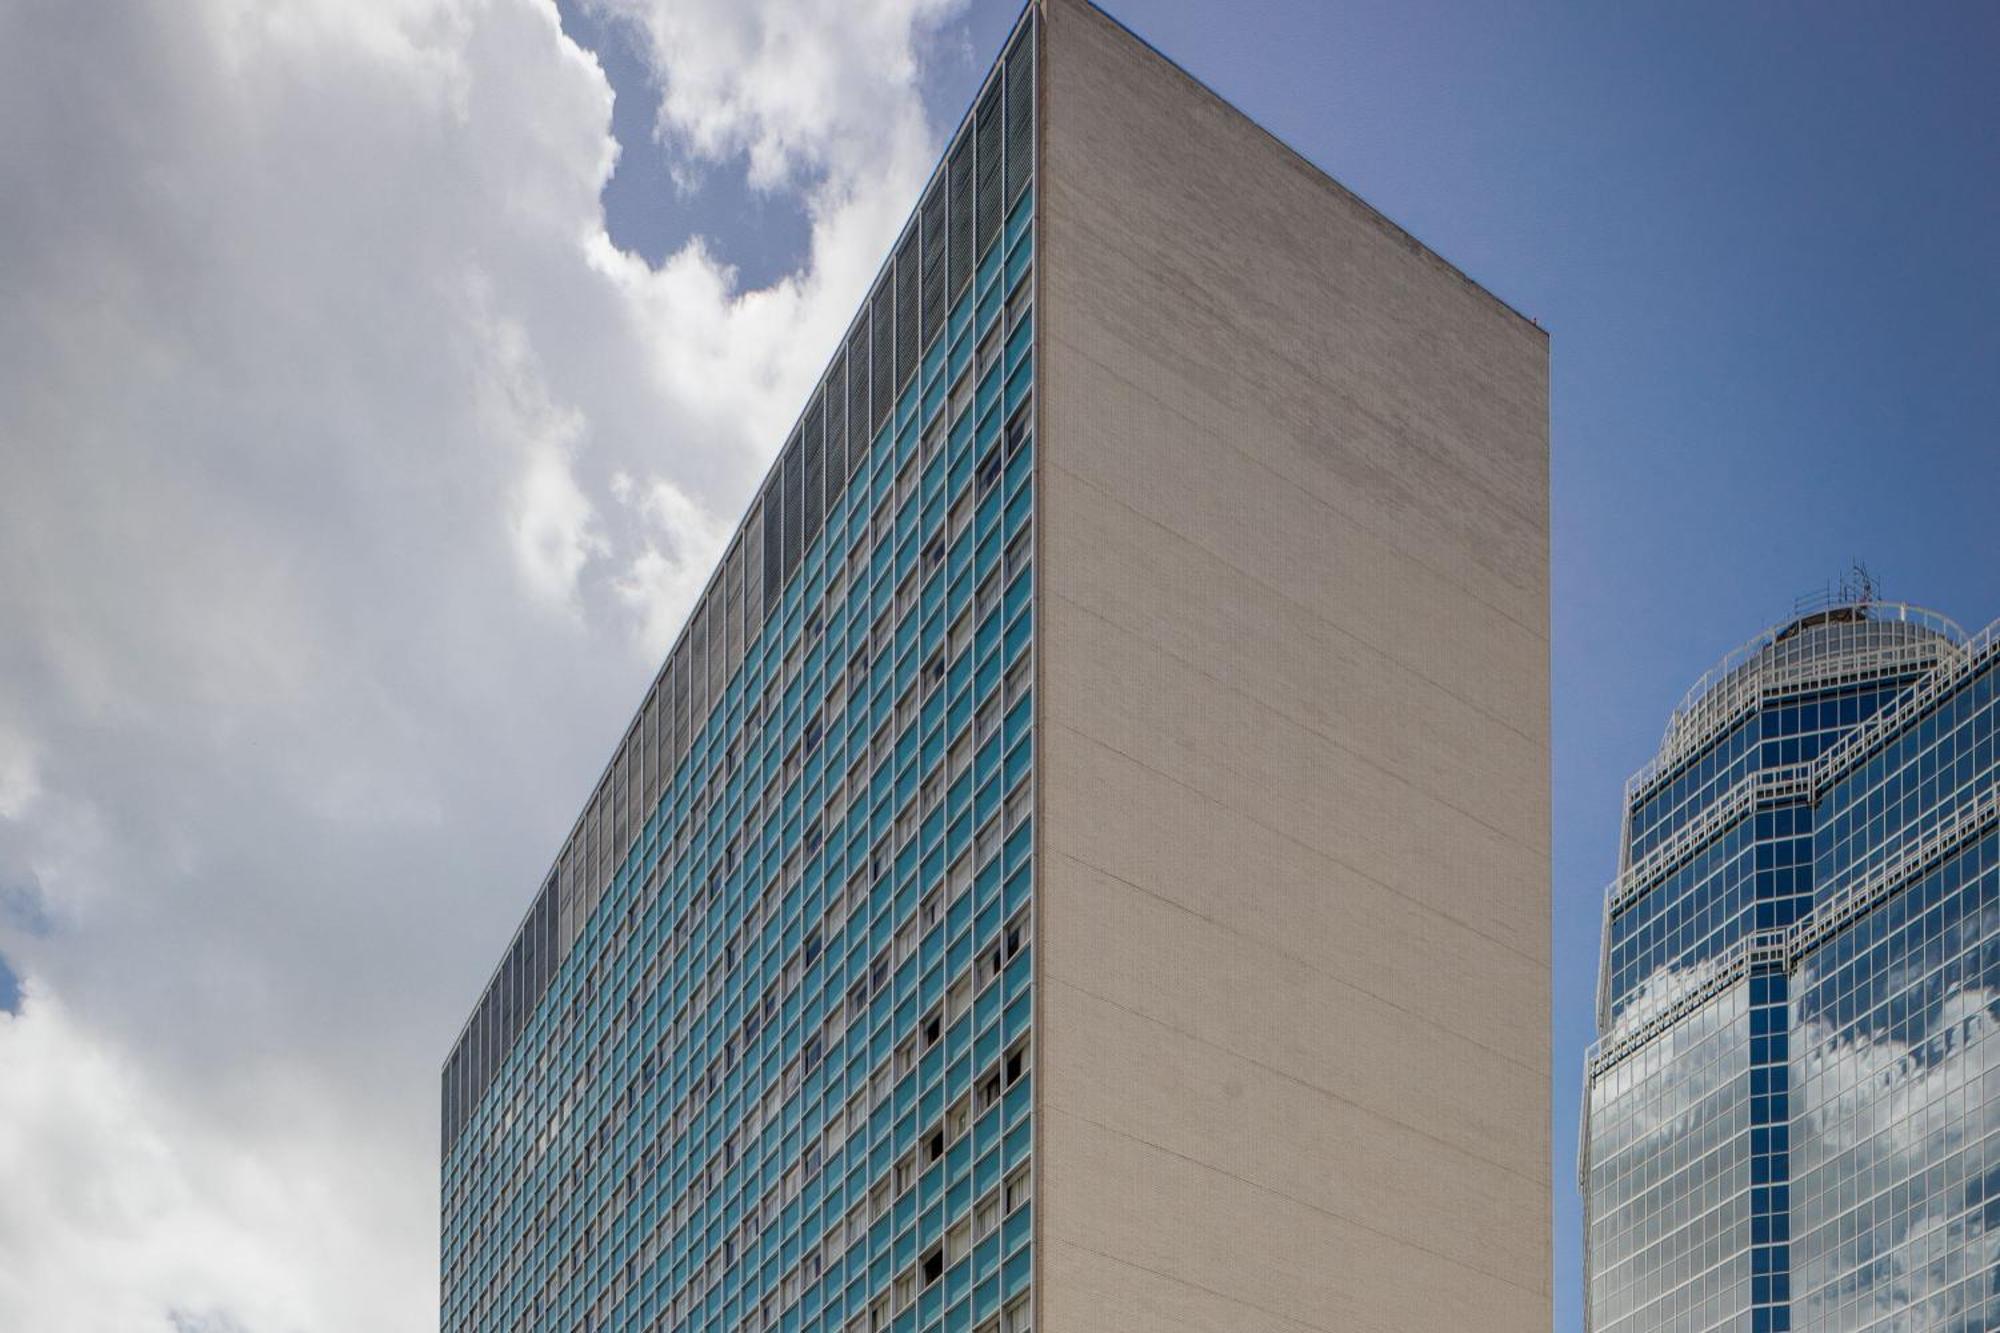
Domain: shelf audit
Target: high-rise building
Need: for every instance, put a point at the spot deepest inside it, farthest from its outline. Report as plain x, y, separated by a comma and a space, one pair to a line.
1792, 1117
1085, 864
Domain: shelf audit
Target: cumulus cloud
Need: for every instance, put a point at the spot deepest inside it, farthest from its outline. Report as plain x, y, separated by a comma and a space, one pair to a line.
351, 480
125, 1209
810, 92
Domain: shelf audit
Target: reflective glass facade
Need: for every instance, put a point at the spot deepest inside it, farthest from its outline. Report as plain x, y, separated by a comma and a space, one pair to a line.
760, 1055
1792, 1117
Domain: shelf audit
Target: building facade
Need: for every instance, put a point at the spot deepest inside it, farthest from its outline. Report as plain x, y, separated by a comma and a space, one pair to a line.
1792, 1117
1085, 863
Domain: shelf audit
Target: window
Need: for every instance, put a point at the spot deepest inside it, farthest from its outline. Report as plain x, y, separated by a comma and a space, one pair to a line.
1015, 1192
961, 395
1017, 1064
1018, 805
961, 635
1017, 428
1019, 677
836, 1131
1019, 551
1018, 302
989, 351
958, 1120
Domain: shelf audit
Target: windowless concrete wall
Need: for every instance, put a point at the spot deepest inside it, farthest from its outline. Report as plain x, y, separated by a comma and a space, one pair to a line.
1293, 1042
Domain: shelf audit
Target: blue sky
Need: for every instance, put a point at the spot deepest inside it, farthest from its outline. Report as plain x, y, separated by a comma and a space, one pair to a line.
1763, 241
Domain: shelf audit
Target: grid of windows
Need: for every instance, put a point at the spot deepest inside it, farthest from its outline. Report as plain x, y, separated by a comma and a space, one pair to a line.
1690, 917
1790, 1115
1898, 1170
760, 1055
1669, 1177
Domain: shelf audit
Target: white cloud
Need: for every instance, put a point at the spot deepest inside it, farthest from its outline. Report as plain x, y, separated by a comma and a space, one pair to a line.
662, 582
127, 1207
19, 782
321, 607
804, 89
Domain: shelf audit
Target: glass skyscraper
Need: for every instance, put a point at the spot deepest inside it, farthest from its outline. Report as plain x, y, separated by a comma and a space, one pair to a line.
1792, 1116
1006, 908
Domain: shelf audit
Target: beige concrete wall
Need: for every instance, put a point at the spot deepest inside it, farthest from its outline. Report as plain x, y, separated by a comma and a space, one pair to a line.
1293, 1051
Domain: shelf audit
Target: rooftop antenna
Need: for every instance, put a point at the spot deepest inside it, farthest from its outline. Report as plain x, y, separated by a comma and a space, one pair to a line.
1858, 586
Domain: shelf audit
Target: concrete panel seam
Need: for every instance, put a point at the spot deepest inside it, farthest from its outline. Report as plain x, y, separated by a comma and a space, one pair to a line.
1294, 1079
1306, 1204
1249, 817
1071, 347
1223, 687
1541, 745
1540, 1070
1181, 1280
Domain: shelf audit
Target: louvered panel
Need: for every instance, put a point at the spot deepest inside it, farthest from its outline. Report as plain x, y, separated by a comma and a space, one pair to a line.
835, 390
812, 492
792, 490
988, 208
1020, 112
858, 431
960, 170
882, 313
753, 574
931, 219
906, 309
774, 542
